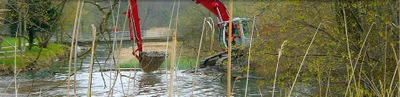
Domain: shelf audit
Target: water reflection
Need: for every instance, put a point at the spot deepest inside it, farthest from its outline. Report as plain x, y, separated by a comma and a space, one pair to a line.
149, 80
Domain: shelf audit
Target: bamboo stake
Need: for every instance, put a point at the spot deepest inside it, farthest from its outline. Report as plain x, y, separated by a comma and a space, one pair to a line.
76, 44
347, 42
304, 58
248, 60
166, 46
72, 46
356, 62
171, 76
277, 66
228, 89
198, 57
89, 92
15, 66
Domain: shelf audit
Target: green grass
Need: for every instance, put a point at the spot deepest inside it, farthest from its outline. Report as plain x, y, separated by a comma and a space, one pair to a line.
133, 63
183, 63
8, 40
45, 60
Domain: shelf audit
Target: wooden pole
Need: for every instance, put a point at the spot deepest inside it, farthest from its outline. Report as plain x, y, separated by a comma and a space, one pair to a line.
15, 65
171, 71
89, 92
72, 46
228, 90
76, 45
168, 35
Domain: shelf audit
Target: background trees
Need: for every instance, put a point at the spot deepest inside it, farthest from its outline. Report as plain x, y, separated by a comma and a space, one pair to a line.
353, 46
36, 19
356, 44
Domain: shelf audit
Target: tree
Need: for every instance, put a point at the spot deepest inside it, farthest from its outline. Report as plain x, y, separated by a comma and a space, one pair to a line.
2, 11
41, 19
360, 63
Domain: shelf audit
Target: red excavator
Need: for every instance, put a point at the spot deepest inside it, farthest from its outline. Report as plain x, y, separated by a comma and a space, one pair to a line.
151, 61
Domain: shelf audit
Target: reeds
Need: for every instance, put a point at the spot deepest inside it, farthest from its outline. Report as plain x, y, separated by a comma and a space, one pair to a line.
72, 44
89, 92
198, 56
173, 55
304, 58
248, 59
277, 67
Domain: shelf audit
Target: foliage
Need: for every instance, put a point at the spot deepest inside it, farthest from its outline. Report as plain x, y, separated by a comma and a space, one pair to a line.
328, 59
30, 60
2, 11
39, 17
190, 24
2, 17
8, 41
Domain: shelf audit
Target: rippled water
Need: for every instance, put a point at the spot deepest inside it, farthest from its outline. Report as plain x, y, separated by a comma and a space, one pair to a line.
127, 83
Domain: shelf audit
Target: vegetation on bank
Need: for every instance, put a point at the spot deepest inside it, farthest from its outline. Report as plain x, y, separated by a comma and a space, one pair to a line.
32, 59
341, 48
354, 51
183, 63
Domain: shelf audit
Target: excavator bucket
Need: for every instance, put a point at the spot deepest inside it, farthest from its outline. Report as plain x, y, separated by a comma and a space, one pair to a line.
151, 61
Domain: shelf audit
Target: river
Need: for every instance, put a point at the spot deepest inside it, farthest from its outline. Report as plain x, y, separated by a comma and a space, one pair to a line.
128, 83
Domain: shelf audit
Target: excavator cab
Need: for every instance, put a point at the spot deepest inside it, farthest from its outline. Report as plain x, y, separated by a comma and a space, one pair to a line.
240, 32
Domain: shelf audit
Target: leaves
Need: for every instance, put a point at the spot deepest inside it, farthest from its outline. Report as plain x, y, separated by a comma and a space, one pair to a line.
2, 11
299, 19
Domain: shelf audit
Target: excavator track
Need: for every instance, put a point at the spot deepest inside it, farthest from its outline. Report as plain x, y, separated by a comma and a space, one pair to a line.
212, 60
220, 60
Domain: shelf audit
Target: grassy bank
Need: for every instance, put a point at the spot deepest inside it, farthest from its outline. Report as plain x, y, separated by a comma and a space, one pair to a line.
183, 63
29, 59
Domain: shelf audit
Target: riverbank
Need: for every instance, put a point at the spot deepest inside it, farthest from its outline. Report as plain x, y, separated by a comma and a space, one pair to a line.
31, 60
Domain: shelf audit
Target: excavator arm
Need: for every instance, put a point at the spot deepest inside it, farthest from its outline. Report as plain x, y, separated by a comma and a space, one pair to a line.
134, 27
217, 8
222, 13
150, 61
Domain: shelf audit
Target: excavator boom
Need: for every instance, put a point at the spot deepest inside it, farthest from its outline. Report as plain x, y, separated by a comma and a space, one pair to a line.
148, 61
134, 26
217, 8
